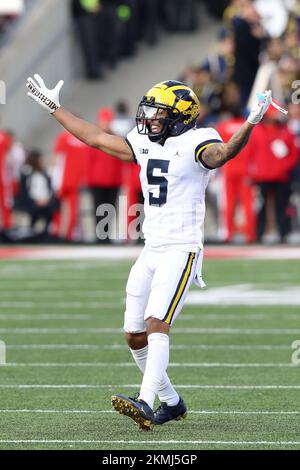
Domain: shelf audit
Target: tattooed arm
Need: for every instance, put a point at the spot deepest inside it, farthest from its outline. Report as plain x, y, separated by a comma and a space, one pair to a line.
218, 154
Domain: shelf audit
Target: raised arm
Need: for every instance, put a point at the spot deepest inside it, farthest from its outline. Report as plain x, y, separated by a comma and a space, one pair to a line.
93, 136
217, 155
83, 130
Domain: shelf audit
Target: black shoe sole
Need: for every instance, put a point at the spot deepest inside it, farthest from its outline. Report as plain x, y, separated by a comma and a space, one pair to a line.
125, 408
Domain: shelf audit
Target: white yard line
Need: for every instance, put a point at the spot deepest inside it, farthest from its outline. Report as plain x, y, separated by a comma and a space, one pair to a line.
108, 276
14, 266
120, 301
92, 284
69, 331
121, 304
93, 253
225, 331
229, 347
182, 318
44, 316
202, 412
61, 305
238, 316
139, 442
245, 295
61, 347
51, 293
131, 364
137, 386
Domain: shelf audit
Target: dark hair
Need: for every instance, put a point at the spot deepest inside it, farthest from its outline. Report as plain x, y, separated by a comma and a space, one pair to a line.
121, 107
34, 159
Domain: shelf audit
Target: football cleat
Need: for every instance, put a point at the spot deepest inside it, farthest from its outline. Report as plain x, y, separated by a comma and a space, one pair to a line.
165, 413
136, 409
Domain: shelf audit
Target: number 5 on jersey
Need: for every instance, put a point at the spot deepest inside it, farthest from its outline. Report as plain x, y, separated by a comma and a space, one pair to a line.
161, 181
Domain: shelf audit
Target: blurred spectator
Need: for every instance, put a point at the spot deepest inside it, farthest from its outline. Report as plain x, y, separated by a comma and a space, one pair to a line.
209, 79
248, 36
273, 158
294, 128
179, 15
217, 7
6, 189
288, 72
239, 191
16, 159
208, 91
274, 50
11, 7
148, 20
127, 17
253, 53
104, 171
117, 29
294, 8
274, 16
269, 75
189, 75
122, 122
291, 43
85, 14
109, 31
220, 62
9, 11
67, 177
36, 196
264, 37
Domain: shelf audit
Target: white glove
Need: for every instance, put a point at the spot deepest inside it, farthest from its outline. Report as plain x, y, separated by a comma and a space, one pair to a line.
257, 112
38, 91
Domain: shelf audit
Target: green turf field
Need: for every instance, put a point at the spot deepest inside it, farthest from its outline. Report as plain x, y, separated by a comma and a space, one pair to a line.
62, 325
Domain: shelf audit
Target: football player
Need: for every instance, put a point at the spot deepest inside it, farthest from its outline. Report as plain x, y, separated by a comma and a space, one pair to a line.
175, 160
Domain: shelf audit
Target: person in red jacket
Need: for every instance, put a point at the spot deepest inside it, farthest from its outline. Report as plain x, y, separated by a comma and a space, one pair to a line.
67, 180
121, 125
273, 156
238, 186
104, 173
6, 183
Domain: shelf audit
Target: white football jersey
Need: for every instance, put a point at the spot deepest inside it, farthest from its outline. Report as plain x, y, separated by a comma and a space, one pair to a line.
173, 182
